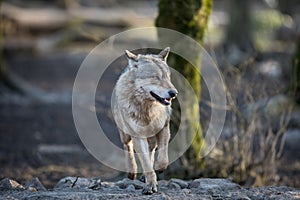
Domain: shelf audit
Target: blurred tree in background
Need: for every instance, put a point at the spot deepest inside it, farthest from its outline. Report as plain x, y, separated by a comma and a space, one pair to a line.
189, 17
239, 30
11, 82
289, 7
295, 75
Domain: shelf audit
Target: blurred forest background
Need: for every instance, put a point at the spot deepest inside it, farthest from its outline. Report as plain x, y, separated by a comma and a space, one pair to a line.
256, 45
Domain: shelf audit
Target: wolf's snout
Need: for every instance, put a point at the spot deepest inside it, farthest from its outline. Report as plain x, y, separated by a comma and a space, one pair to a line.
173, 93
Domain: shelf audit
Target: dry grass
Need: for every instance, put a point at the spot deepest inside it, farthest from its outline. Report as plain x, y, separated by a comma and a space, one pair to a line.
256, 121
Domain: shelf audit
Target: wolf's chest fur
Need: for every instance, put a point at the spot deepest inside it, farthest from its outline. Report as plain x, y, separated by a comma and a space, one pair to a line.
138, 115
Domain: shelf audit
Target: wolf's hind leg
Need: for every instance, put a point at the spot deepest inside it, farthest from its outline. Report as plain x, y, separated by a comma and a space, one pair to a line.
131, 166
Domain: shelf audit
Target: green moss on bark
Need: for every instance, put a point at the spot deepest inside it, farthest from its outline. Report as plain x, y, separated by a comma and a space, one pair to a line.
189, 17
186, 16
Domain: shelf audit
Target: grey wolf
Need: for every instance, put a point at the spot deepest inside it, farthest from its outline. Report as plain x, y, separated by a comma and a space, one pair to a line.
142, 109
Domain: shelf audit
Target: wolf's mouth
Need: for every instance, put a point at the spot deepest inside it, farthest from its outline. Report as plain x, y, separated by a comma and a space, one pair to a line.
164, 101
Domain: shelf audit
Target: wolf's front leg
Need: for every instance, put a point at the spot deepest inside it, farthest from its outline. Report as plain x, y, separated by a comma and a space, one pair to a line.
142, 149
163, 138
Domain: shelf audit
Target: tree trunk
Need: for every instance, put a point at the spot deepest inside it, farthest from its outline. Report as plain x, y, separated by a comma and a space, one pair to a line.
240, 26
11, 82
238, 45
294, 87
189, 17
288, 7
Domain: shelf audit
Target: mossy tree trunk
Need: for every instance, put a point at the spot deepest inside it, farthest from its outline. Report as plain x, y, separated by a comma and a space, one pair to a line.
295, 75
189, 17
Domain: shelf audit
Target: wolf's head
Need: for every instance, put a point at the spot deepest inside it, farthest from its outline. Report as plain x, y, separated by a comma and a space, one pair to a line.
151, 76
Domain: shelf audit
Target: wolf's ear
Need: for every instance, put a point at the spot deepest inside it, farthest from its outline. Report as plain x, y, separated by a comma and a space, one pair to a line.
164, 53
131, 56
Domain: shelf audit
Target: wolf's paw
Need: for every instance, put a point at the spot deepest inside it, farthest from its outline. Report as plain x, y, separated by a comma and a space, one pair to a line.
131, 175
150, 189
161, 166
160, 171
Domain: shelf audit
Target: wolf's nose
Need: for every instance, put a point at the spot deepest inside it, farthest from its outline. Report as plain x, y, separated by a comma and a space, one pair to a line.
173, 93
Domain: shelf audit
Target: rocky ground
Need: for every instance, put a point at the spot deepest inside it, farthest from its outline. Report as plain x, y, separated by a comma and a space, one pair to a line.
40, 140
83, 188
